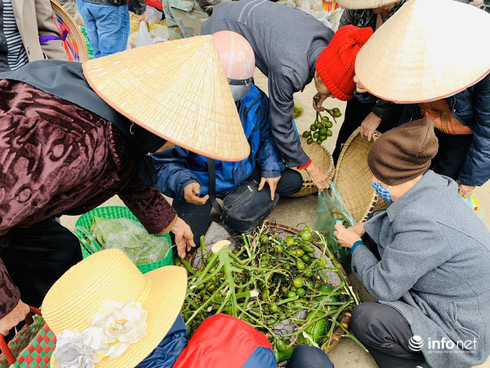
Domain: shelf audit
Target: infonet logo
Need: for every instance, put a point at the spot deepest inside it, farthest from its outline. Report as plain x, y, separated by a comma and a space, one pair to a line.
415, 343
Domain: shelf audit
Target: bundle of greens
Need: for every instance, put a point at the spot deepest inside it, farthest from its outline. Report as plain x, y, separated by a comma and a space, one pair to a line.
289, 287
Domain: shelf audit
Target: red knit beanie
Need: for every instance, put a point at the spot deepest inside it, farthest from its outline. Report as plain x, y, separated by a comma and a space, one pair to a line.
335, 65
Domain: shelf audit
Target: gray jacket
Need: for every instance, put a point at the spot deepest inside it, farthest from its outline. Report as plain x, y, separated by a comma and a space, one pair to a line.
434, 269
286, 43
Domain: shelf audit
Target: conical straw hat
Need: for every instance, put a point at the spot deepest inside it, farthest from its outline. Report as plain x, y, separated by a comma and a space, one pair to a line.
428, 50
110, 276
364, 4
178, 91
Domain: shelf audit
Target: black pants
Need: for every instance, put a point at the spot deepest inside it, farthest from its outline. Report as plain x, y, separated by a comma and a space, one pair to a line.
309, 357
451, 156
36, 257
198, 216
385, 333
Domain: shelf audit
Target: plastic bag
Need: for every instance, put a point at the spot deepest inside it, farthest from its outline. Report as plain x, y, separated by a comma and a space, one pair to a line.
473, 203
159, 33
153, 15
144, 38
332, 211
130, 237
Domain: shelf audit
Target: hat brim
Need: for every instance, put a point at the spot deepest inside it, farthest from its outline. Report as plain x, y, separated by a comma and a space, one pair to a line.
165, 298
411, 58
176, 90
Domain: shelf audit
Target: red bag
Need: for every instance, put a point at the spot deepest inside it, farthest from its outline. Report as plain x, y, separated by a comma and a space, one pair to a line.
223, 341
155, 3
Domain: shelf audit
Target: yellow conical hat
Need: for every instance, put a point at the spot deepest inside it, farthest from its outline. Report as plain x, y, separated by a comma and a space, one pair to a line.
178, 91
428, 50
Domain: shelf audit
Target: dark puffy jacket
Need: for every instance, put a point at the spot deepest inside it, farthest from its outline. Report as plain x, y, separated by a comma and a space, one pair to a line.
176, 167
168, 351
472, 108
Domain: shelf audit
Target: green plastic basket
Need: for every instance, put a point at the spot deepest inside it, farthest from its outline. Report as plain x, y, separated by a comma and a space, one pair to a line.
85, 221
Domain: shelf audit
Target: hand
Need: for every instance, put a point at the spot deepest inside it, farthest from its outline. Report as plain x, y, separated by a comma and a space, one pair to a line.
465, 191
184, 239
359, 87
141, 18
318, 176
318, 100
191, 194
14, 317
346, 237
369, 125
272, 185
359, 228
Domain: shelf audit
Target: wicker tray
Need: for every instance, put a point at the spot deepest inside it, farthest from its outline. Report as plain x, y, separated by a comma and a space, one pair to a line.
345, 317
322, 158
353, 177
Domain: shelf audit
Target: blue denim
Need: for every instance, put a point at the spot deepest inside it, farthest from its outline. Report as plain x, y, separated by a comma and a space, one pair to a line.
107, 27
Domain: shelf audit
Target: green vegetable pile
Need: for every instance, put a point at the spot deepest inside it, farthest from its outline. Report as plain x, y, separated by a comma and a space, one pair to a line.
320, 129
275, 283
129, 236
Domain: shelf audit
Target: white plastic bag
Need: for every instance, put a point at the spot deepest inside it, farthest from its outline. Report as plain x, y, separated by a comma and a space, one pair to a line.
153, 15
144, 38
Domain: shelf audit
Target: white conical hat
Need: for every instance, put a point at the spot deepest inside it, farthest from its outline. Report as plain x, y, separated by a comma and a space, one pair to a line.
178, 91
428, 50
364, 4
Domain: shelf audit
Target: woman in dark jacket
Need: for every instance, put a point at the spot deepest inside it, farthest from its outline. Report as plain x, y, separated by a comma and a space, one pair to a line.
376, 115
463, 129
429, 81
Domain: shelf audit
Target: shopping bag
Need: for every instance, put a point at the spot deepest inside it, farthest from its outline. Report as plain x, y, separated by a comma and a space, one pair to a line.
223, 341
144, 38
332, 211
32, 346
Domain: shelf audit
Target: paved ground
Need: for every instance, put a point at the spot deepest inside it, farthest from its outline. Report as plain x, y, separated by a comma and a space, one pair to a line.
293, 212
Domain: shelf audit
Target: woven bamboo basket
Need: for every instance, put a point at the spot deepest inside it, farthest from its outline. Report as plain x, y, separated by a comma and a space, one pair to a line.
353, 177
323, 159
74, 43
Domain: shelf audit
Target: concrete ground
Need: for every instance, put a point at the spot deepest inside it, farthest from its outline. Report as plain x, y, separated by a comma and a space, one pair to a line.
295, 211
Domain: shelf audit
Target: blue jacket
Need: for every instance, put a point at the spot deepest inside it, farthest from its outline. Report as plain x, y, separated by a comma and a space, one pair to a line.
167, 352
472, 108
176, 167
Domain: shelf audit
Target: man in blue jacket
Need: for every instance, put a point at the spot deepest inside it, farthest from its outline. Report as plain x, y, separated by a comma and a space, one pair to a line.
183, 175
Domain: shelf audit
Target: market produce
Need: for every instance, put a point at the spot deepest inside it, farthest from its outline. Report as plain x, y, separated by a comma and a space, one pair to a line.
298, 110
320, 130
130, 237
279, 284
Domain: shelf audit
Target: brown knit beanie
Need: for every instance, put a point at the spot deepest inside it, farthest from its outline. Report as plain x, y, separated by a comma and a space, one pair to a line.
403, 153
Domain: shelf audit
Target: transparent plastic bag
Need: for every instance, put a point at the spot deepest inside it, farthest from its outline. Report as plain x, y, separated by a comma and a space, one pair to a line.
130, 237
159, 33
144, 38
153, 15
331, 211
475, 206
